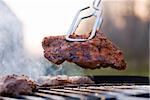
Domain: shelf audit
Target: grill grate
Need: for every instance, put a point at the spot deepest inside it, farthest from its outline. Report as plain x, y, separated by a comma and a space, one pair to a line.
88, 92
105, 88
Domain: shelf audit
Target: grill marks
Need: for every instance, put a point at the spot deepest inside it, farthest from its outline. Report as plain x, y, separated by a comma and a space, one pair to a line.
96, 53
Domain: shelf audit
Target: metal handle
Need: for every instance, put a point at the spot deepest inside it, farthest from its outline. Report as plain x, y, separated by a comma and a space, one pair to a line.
97, 13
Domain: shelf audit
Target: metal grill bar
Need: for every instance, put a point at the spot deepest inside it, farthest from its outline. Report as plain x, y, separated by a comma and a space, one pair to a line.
33, 97
49, 96
69, 95
7, 98
91, 93
87, 92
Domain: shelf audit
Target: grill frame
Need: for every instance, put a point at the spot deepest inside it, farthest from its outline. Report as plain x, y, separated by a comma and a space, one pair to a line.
104, 88
114, 79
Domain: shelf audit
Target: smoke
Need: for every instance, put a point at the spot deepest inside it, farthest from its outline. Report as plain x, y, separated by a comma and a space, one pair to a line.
13, 58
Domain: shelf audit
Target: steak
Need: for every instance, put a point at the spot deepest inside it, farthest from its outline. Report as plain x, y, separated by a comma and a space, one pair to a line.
53, 80
95, 53
13, 85
63, 80
80, 80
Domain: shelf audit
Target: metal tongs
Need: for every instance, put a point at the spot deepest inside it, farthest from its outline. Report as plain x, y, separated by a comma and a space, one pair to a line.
98, 21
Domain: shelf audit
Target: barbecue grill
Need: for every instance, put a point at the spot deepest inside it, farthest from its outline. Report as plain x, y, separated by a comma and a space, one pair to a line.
105, 88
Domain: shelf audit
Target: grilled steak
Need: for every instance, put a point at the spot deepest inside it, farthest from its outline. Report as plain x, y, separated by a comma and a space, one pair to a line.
96, 53
14, 85
53, 80
80, 80
63, 80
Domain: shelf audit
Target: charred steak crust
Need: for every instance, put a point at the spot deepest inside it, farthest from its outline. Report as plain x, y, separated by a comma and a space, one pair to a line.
13, 85
96, 53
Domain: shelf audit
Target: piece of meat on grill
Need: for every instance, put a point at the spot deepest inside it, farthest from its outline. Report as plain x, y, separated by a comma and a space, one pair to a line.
80, 80
53, 80
63, 80
95, 53
13, 85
